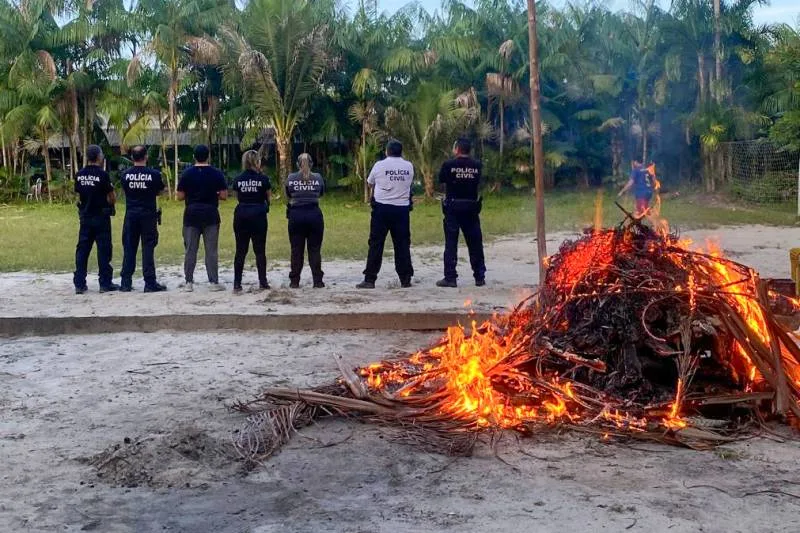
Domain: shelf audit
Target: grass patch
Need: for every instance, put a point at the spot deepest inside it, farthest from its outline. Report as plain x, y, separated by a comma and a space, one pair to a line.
43, 237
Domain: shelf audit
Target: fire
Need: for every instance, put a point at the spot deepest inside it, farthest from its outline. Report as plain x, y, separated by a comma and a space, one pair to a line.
533, 368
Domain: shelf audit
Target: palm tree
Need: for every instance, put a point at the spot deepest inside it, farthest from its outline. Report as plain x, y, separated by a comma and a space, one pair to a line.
281, 52
428, 124
371, 43
37, 114
782, 93
180, 30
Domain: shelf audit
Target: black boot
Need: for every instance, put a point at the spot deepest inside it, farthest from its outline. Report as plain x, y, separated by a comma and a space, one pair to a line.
111, 287
156, 287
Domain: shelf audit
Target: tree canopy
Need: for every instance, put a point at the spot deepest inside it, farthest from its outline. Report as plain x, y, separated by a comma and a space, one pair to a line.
285, 76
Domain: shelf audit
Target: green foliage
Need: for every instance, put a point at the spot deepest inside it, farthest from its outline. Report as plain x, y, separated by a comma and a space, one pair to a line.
772, 188
281, 75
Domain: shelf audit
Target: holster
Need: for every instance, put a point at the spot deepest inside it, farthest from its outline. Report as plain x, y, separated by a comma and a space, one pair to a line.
459, 206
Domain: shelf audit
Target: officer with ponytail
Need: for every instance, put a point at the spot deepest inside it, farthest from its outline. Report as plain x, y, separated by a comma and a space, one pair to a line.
250, 219
306, 225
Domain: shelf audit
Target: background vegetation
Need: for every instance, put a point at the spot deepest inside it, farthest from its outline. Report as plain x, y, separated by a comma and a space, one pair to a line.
42, 238
289, 75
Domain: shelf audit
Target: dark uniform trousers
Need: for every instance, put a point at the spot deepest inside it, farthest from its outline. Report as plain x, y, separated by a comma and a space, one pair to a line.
464, 216
139, 225
94, 229
250, 225
394, 220
306, 228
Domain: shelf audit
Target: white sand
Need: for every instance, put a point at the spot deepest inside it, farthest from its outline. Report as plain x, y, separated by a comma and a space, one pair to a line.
64, 399
512, 273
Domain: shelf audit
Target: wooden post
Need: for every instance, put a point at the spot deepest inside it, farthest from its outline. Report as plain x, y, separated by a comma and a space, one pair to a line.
536, 129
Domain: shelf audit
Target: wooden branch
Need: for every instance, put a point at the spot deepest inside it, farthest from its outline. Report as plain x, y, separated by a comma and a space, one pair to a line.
727, 399
351, 404
350, 378
576, 359
781, 388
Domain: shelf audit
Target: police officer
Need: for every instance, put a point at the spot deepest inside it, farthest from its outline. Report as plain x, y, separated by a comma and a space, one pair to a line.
142, 185
96, 207
250, 218
202, 186
391, 181
461, 207
306, 225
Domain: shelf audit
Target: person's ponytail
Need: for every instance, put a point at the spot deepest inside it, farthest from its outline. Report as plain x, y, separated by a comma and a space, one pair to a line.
304, 163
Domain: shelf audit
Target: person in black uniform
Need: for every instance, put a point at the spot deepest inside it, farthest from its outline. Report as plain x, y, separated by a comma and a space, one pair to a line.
202, 186
306, 225
461, 208
96, 207
142, 185
253, 191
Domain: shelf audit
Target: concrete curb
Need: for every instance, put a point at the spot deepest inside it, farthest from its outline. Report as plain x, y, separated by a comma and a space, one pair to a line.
47, 326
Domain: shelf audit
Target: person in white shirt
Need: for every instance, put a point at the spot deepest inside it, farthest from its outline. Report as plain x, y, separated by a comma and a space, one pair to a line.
390, 180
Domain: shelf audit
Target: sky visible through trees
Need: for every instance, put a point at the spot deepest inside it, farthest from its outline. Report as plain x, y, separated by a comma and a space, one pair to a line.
784, 11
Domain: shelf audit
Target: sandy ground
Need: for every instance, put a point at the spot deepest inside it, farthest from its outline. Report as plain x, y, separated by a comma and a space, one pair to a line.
64, 400
512, 273
70, 403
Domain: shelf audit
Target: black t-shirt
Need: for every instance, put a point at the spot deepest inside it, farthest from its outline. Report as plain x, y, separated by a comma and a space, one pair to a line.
141, 185
201, 184
251, 188
462, 177
93, 185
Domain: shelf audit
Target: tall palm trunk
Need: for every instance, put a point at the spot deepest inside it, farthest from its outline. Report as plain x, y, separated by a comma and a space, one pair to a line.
87, 121
212, 110
364, 160
427, 181
164, 151
173, 120
47, 171
284, 144
645, 127
717, 52
502, 127
536, 129
701, 77
73, 154
616, 154
3, 144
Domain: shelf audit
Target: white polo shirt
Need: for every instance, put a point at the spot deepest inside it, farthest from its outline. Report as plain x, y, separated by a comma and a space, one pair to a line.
392, 178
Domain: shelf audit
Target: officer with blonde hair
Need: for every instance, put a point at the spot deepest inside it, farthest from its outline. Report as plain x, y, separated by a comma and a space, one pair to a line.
253, 191
306, 225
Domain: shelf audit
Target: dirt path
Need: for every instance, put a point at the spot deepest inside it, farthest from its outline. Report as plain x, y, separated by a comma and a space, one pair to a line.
64, 400
512, 275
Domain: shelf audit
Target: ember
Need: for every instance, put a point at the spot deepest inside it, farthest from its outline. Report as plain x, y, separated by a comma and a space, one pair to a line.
632, 333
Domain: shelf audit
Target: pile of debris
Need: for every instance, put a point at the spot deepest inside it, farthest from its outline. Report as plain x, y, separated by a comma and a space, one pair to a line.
633, 333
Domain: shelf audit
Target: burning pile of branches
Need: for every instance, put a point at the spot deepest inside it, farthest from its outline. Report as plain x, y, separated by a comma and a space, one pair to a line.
631, 334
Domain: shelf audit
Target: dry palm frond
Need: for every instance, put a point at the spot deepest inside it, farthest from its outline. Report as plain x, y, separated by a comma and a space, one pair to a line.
134, 70
468, 98
47, 64
631, 335
430, 57
204, 50
506, 49
503, 85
